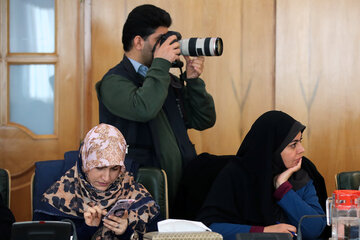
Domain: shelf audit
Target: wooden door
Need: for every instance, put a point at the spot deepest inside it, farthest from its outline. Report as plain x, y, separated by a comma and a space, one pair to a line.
21, 146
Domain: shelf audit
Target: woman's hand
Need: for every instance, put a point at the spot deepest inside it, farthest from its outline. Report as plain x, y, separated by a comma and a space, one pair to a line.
93, 216
117, 224
284, 176
281, 228
194, 66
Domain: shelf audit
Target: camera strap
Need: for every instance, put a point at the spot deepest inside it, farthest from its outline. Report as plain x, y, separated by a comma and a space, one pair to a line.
174, 110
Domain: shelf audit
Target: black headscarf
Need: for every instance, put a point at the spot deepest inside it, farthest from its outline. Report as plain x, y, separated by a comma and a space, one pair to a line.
243, 191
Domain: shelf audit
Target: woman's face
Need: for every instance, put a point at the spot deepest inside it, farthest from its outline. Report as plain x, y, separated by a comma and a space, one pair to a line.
101, 177
293, 152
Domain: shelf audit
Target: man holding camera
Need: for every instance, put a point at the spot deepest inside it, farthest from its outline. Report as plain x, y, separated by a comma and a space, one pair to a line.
150, 106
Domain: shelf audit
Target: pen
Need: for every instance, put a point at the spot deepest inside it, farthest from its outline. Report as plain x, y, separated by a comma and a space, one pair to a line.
293, 233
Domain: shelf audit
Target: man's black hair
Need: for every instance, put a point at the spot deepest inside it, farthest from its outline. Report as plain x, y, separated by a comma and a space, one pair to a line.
143, 21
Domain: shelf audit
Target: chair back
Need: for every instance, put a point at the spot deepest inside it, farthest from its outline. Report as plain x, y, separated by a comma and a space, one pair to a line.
155, 181
195, 184
49, 230
5, 186
347, 180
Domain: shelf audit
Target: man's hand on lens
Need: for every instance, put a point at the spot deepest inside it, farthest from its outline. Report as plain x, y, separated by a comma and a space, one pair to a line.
194, 66
169, 50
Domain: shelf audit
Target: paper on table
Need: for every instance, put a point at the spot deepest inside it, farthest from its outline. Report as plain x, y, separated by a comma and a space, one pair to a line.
180, 225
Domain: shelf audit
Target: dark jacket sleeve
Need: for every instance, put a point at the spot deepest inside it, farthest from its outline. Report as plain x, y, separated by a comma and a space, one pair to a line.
123, 98
199, 105
6, 220
304, 202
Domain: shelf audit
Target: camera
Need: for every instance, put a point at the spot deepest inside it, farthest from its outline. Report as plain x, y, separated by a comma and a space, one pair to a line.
210, 46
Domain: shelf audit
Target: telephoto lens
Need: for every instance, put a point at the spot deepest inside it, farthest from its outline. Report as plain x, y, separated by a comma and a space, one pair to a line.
201, 46
210, 46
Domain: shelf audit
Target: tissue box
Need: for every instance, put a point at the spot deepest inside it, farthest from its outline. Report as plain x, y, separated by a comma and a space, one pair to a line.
182, 236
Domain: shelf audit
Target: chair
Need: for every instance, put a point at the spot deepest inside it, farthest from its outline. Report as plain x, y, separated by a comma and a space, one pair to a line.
5, 186
153, 179
50, 230
195, 184
347, 180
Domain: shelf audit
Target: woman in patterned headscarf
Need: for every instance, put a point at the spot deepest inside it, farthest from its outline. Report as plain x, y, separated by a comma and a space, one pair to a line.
87, 191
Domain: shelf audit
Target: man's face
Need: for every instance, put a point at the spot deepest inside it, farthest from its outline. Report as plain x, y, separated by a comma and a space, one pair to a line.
146, 53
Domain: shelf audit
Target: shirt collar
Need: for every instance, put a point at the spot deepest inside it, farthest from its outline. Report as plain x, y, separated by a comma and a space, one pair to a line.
136, 65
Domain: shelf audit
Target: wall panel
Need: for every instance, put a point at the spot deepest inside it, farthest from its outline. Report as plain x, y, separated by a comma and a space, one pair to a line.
317, 69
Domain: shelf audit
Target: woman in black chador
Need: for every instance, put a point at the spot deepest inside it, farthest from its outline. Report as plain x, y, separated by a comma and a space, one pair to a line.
269, 186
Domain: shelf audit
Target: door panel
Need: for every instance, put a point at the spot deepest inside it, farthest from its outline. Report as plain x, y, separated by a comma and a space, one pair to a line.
20, 146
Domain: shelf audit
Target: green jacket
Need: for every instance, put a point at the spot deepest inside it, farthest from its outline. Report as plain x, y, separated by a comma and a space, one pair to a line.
123, 98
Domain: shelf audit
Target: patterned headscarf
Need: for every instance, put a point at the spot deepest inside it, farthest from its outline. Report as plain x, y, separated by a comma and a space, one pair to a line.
104, 145
72, 194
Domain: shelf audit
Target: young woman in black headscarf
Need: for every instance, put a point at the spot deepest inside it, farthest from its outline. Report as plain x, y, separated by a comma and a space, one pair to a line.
269, 186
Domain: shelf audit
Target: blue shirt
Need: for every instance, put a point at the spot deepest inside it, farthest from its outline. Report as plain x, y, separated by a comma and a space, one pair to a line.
139, 68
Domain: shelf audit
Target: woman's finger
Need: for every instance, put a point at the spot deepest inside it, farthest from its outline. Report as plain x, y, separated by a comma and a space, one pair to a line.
111, 223
87, 215
91, 210
104, 212
117, 228
98, 210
